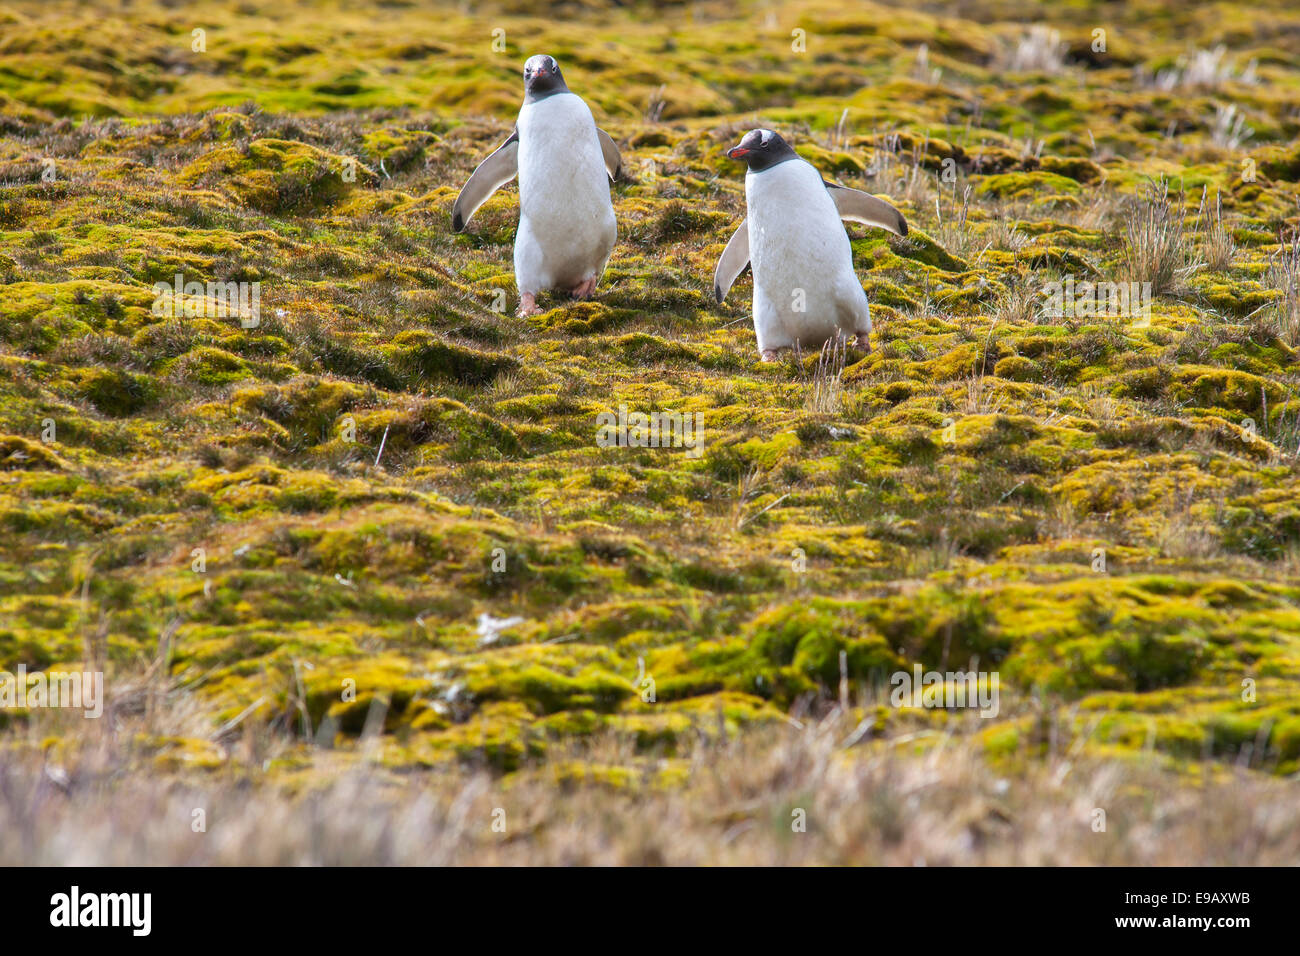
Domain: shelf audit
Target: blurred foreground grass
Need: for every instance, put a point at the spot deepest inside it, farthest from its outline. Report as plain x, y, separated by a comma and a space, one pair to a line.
1104, 510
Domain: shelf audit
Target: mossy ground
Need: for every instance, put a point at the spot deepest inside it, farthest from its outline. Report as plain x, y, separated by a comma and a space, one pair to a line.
1104, 510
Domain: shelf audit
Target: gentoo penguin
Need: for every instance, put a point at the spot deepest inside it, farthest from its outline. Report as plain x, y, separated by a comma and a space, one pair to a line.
565, 164
805, 289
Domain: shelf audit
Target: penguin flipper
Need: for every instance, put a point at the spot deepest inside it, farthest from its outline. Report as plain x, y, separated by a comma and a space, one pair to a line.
491, 174
857, 206
613, 161
734, 259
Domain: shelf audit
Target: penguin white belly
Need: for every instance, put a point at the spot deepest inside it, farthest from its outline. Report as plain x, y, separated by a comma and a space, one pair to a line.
805, 289
566, 220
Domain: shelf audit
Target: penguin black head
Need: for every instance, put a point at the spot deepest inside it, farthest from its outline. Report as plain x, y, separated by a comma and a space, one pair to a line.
542, 78
762, 149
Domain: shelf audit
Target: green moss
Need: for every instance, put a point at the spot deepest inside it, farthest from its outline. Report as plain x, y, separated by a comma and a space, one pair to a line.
1017, 368
832, 162
211, 366
545, 691
278, 176
421, 357
1224, 388
398, 148
19, 453
806, 641
920, 247
1024, 185
677, 220
113, 392
1280, 162
1076, 168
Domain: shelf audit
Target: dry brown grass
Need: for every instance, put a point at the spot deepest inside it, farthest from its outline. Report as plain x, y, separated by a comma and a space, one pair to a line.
1039, 50
1159, 248
1217, 245
980, 396
917, 798
824, 387
1283, 277
902, 176
1017, 304
954, 233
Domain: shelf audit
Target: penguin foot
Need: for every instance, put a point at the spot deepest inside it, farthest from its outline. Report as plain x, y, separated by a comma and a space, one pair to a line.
528, 306
584, 289
860, 341
768, 355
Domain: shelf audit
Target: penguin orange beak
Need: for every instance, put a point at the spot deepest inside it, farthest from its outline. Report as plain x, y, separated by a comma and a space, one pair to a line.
736, 152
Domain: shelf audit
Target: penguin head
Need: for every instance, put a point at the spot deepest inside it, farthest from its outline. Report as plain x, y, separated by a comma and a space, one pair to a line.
542, 77
761, 149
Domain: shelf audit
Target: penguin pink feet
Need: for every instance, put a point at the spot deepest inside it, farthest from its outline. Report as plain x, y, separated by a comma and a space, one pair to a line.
584, 289
528, 306
768, 355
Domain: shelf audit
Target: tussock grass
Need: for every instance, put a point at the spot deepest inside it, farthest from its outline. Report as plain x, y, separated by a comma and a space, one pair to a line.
1282, 276
1229, 129
1218, 247
1017, 304
954, 232
980, 396
1038, 51
824, 388
901, 173
1159, 248
1202, 69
